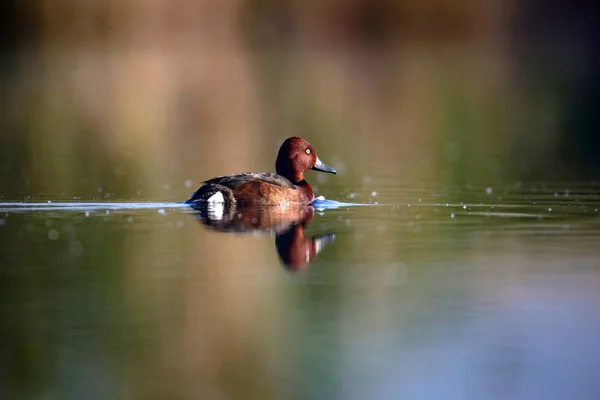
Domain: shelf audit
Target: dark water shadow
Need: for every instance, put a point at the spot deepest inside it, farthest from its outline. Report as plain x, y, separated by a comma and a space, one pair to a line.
296, 250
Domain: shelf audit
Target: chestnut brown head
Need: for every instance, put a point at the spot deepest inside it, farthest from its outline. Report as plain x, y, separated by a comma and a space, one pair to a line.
295, 156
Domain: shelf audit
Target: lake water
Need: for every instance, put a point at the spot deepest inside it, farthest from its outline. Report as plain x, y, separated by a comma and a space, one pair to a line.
430, 291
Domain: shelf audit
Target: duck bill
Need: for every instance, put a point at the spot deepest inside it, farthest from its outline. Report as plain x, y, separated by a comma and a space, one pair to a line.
321, 166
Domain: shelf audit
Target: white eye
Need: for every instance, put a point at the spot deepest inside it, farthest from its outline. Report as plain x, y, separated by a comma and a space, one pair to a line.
307, 151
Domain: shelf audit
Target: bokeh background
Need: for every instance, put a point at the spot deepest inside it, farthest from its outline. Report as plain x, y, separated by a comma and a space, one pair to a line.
119, 100
134, 99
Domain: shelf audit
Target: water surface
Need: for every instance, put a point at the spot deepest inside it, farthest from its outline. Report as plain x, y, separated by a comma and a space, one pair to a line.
430, 292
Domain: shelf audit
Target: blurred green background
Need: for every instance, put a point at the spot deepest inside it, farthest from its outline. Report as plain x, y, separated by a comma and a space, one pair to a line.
136, 98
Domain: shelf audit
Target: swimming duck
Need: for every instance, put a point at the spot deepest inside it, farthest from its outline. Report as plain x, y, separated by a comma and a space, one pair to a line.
286, 186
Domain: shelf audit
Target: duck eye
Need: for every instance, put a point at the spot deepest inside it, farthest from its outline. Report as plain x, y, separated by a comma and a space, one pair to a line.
307, 151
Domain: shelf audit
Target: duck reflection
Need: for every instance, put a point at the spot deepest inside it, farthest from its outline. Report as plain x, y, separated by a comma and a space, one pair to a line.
288, 224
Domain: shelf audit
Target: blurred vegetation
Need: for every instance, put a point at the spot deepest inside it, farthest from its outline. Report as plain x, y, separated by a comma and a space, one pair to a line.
134, 99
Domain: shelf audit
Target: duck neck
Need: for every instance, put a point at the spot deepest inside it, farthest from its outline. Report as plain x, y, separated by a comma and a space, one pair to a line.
305, 187
296, 177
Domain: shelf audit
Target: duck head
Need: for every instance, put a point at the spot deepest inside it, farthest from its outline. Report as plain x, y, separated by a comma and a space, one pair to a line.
295, 156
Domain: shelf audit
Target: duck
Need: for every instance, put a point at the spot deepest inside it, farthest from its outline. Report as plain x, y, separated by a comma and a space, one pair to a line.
286, 186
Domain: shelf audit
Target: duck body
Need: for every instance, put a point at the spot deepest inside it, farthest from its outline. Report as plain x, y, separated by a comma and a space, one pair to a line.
252, 188
287, 186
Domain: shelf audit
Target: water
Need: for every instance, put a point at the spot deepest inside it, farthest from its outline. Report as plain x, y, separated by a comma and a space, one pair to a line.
436, 291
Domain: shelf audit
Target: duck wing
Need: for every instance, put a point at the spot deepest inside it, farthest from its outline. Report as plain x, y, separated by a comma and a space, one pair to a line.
233, 181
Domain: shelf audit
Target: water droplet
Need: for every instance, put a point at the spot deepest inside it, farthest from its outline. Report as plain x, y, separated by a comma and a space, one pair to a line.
53, 234
550, 209
352, 195
107, 212
189, 183
166, 186
373, 193
48, 223
464, 207
49, 202
489, 190
130, 219
99, 190
452, 215
87, 213
161, 210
